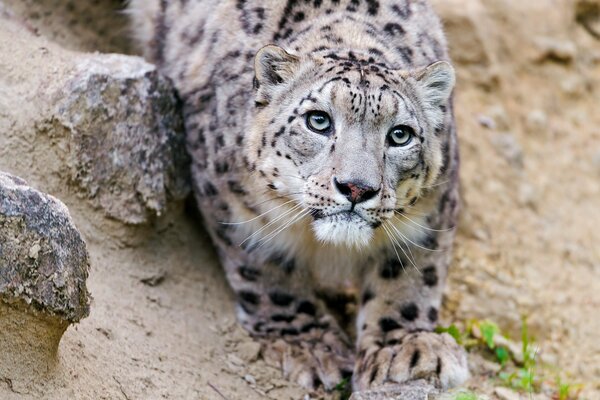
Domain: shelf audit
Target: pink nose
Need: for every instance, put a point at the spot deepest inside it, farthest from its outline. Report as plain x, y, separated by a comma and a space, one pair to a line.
356, 191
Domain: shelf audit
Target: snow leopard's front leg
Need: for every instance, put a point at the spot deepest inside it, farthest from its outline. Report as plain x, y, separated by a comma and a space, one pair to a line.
400, 305
276, 304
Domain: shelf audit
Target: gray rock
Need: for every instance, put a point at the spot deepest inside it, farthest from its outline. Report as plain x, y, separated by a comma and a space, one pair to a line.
43, 259
417, 390
105, 127
126, 136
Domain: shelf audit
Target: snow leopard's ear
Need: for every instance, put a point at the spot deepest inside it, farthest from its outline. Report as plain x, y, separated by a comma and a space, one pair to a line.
435, 83
273, 66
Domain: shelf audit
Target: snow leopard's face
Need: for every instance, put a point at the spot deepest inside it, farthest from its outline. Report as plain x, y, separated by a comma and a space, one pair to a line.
347, 141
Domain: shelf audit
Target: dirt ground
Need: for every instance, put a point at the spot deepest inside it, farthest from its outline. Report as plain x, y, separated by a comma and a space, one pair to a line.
162, 322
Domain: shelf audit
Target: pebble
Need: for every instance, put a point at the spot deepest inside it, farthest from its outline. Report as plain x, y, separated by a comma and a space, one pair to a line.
486, 122
250, 379
506, 394
34, 251
248, 351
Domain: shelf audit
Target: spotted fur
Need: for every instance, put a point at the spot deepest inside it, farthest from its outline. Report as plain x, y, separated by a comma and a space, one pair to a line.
302, 219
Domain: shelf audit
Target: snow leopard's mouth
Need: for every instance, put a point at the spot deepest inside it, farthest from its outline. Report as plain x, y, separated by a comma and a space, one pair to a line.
345, 216
342, 227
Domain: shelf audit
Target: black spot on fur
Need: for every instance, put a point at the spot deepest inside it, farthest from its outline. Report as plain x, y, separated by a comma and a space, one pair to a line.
367, 296
288, 265
391, 269
406, 53
388, 324
249, 273
306, 307
373, 7
282, 318
430, 276
432, 314
393, 29
258, 326
430, 241
438, 367
209, 189
221, 167
289, 332
221, 234
280, 131
249, 297
415, 358
409, 311
236, 187
373, 374
281, 299
309, 327
338, 304
402, 10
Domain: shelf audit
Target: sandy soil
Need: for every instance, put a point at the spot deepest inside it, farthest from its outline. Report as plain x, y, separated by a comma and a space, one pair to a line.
162, 322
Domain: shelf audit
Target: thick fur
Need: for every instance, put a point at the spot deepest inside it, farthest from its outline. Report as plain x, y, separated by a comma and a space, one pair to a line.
290, 241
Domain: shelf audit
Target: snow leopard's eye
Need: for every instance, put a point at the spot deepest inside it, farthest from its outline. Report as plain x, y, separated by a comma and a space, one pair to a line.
400, 135
319, 122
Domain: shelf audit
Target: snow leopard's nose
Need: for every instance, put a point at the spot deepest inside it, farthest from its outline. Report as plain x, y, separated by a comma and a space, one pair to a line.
355, 191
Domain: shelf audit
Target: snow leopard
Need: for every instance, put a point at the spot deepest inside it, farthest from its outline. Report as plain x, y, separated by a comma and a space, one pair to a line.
325, 166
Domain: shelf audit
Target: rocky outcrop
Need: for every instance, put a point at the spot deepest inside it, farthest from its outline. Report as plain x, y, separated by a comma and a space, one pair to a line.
106, 126
43, 270
125, 130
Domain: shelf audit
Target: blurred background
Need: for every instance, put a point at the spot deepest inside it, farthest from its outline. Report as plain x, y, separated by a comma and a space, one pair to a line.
528, 111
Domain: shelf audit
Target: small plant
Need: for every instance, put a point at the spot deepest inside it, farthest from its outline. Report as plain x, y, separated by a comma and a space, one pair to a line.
566, 391
520, 369
344, 388
453, 331
465, 396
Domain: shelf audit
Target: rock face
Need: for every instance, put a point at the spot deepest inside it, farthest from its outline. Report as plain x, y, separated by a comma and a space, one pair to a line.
43, 259
43, 270
107, 127
126, 136
417, 390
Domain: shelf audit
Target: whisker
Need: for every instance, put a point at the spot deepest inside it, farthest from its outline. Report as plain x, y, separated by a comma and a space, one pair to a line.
419, 225
294, 176
258, 216
272, 222
298, 216
436, 184
410, 257
389, 235
285, 195
413, 213
406, 239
